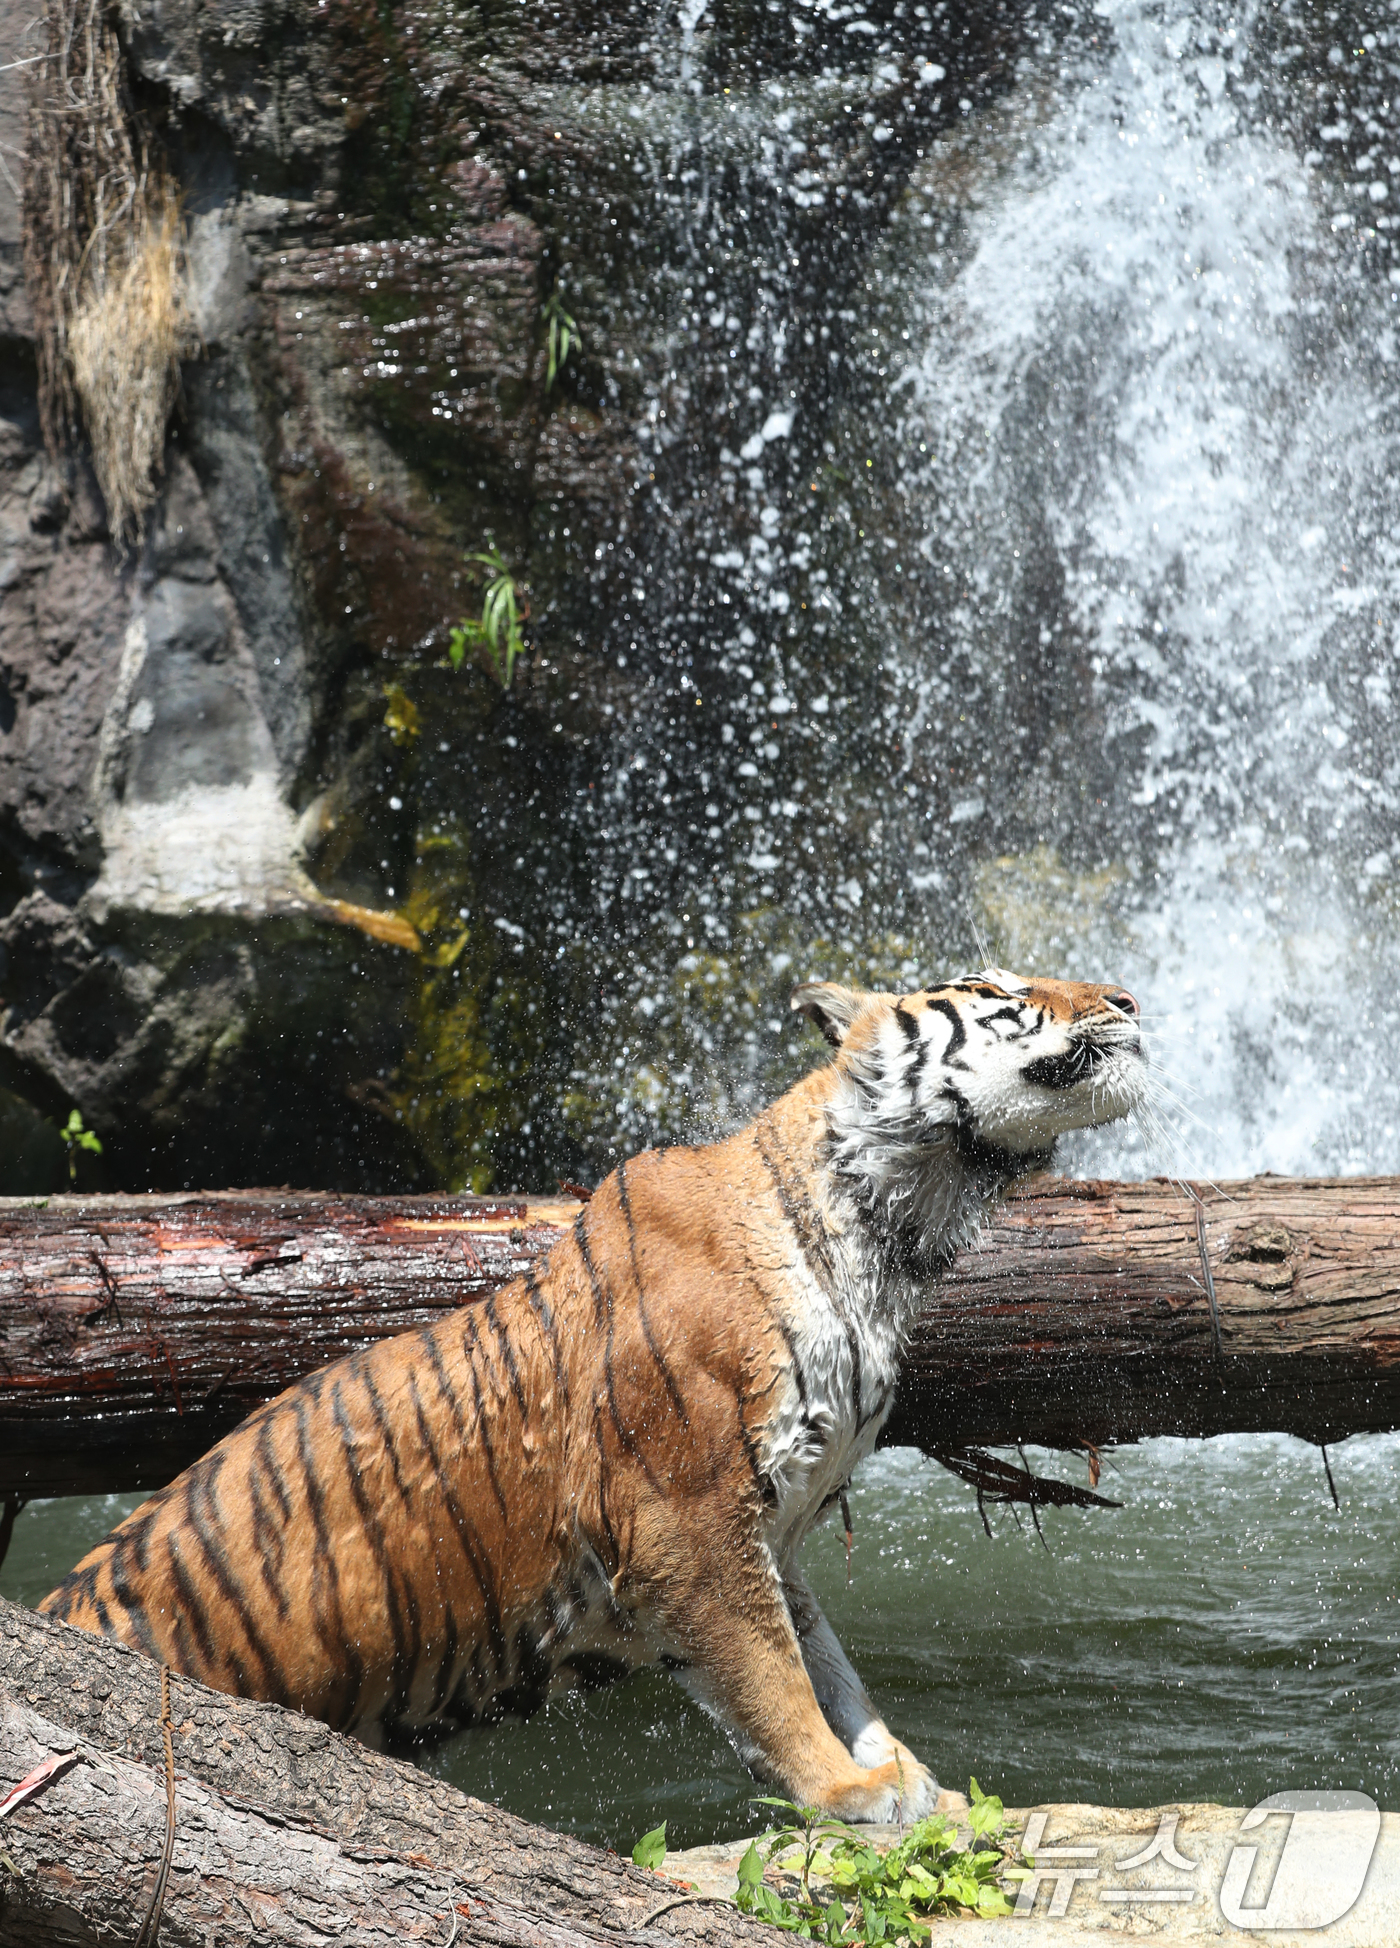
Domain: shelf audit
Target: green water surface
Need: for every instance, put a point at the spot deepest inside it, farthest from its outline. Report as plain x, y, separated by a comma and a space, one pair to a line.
1224, 1635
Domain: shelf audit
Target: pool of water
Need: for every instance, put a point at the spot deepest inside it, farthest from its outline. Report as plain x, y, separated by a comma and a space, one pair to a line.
1226, 1634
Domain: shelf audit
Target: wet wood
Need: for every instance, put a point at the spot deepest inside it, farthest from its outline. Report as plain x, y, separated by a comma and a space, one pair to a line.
1085, 1314
286, 1833
135, 1331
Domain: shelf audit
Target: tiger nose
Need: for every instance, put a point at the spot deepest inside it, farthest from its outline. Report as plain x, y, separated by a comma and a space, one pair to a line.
1121, 998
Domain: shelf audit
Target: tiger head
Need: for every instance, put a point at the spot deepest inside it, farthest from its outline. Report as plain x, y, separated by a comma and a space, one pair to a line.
938, 1099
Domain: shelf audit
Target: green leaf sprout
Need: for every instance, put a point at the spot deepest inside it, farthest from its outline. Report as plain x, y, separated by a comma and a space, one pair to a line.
564, 336
77, 1137
650, 1850
497, 630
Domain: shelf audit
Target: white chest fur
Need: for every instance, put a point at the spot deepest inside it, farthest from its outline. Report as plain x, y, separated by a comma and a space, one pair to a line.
837, 1396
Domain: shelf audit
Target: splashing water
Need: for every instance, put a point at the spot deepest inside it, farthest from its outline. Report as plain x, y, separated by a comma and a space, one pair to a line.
1076, 618
1157, 398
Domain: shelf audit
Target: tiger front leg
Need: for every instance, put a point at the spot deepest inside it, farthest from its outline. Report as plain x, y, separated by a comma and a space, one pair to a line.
742, 1661
843, 1699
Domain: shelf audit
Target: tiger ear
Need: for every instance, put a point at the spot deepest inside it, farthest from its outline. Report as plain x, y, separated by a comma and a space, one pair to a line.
832, 1008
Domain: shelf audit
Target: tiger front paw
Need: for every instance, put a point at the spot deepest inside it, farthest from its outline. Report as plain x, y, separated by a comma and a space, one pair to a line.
897, 1786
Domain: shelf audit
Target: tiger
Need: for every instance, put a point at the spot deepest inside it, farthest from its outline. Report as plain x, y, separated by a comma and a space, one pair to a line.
614, 1461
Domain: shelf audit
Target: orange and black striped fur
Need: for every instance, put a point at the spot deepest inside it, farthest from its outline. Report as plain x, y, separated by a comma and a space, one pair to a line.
615, 1460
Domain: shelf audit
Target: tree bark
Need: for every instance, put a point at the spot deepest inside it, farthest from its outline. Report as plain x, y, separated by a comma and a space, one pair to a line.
1084, 1314
286, 1832
138, 1330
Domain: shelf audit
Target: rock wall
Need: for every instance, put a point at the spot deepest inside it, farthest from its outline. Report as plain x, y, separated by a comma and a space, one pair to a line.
283, 895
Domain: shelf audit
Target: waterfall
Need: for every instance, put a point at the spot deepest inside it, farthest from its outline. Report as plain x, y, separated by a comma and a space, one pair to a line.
1150, 438
1068, 620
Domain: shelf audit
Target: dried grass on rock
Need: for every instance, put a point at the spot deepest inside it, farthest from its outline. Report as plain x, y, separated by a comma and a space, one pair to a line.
103, 262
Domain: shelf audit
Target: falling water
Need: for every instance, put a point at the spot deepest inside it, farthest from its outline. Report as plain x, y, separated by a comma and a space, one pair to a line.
1157, 389
1096, 654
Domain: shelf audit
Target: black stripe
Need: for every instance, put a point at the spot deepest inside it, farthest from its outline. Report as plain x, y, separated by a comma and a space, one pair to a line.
267, 1539
920, 1043
800, 1215
131, 1601
467, 1536
483, 1430
445, 1666
958, 1038
667, 1377
604, 1309
386, 1431
603, 1515
544, 1312
766, 1492
471, 1341
273, 1471
402, 1664
205, 1522
325, 1575
193, 1607
805, 1222
979, 1151
137, 1530
104, 1615
796, 1364
138, 1539
857, 1375
600, 1306
493, 1320
445, 1386
411, 1603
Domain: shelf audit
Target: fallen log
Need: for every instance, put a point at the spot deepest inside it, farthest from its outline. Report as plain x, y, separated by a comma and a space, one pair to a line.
135, 1331
285, 1831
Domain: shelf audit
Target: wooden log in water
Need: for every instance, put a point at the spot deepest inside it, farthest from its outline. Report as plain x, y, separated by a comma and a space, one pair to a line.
1109, 1312
135, 1331
285, 1832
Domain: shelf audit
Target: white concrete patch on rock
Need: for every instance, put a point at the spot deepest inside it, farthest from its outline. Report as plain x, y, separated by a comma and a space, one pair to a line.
187, 792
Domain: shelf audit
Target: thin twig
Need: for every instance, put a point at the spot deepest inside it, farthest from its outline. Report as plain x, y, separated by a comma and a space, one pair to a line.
150, 1927
1330, 1483
453, 1916
683, 1900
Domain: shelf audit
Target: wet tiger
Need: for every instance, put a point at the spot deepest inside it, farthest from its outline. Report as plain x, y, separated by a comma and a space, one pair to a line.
614, 1461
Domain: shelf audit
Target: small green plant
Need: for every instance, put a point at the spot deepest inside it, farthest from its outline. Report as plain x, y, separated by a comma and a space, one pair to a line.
564, 336
650, 1850
848, 1891
498, 629
76, 1137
